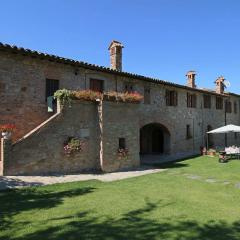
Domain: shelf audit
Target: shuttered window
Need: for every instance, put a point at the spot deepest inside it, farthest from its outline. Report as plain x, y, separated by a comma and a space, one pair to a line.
96, 85
191, 100
52, 85
147, 95
228, 107
207, 101
235, 107
171, 98
219, 103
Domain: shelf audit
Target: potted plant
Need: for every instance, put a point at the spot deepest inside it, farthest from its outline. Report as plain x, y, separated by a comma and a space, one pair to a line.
73, 145
211, 152
122, 152
7, 130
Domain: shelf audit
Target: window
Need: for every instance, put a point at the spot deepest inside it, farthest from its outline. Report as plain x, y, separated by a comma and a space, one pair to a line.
235, 135
52, 85
147, 95
219, 103
188, 131
228, 106
128, 87
207, 101
191, 100
171, 98
122, 143
235, 107
96, 85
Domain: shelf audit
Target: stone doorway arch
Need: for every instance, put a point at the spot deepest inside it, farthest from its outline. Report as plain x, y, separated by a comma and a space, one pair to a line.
154, 139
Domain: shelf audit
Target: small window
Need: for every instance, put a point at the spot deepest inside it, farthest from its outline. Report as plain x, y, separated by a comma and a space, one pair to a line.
219, 103
122, 143
171, 98
52, 85
96, 85
235, 107
191, 100
128, 87
188, 131
228, 106
235, 135
207, 101
147, 95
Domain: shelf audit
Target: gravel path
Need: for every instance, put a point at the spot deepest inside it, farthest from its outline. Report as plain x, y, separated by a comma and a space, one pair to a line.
27, 181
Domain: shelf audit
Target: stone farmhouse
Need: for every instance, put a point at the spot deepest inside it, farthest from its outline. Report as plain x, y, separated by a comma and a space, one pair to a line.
170, 122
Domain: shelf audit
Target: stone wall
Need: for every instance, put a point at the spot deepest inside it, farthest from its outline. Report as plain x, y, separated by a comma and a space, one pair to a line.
23, 88
22, 96
120, 120
41, 151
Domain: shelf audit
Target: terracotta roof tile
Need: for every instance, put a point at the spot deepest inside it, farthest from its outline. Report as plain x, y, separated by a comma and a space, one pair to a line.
51, 57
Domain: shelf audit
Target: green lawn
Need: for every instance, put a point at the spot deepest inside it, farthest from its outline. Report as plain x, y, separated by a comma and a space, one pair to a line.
175, 204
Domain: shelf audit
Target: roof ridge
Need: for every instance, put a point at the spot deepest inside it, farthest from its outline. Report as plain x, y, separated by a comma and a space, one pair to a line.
4, 46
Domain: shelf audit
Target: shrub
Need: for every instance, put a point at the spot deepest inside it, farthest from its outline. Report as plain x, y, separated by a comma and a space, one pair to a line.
134, 97
88, 95
63, 95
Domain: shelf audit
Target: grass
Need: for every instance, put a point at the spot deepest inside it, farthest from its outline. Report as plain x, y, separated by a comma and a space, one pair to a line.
166, 205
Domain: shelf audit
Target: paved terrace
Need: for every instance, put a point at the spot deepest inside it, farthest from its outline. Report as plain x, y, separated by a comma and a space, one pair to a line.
8, 182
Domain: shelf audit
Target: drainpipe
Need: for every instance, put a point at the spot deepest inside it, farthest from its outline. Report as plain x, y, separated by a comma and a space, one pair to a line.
100, 124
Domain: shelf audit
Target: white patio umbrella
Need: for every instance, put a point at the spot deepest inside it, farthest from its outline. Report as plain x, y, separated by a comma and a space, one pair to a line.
225, 129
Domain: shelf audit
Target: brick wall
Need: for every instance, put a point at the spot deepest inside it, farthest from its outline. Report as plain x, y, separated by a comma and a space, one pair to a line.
22, 96
42, 151
120, 120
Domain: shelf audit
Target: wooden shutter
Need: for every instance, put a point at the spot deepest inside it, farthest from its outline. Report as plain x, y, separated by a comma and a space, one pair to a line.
175, 98
96, 85
167, 97
194, 101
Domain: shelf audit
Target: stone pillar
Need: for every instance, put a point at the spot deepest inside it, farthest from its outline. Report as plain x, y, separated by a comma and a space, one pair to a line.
100, 125
191, 79
6, 147
115, 49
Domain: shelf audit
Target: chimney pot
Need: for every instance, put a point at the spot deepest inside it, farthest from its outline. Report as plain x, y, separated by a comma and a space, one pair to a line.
191, 79
115, 49
220, 85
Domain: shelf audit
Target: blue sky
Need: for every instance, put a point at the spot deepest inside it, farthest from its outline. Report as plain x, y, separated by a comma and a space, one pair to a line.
162, 38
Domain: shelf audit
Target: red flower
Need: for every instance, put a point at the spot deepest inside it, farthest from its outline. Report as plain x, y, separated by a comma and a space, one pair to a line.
7, 128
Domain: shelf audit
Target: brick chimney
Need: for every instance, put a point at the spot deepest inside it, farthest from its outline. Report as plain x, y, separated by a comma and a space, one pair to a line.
191, 79
220, 86
115, 49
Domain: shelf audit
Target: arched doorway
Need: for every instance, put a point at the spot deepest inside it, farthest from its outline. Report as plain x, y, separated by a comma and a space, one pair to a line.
154, 139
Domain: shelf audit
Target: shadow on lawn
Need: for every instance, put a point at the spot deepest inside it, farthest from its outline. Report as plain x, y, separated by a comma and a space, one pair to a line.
135, 225
15, 201
176, 164
8, 183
